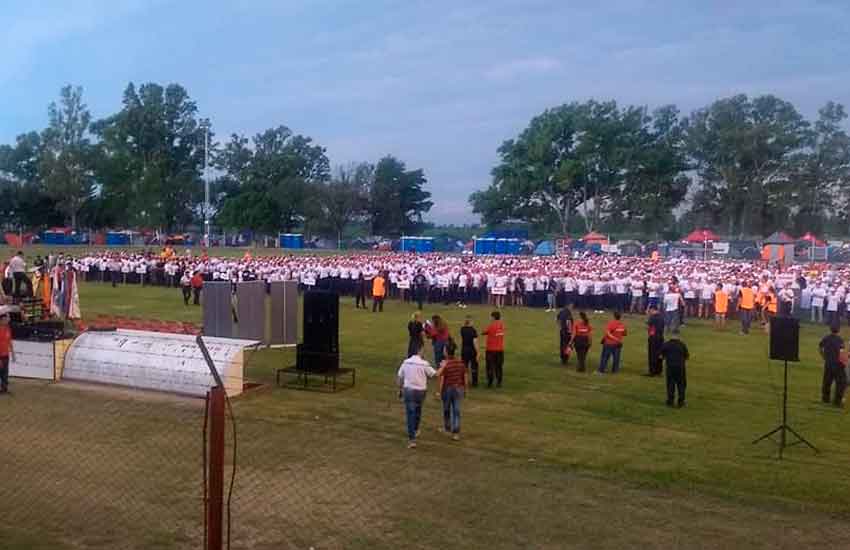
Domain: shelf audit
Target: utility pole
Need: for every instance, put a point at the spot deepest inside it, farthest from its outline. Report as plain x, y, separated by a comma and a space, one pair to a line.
205, 124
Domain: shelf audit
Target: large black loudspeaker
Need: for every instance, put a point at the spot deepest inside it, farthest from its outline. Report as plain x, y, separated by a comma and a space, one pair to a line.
785, 339
320, 349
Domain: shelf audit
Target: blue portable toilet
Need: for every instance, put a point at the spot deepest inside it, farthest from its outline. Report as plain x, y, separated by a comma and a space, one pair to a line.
514, 246
118, 238
417, 244
293, 241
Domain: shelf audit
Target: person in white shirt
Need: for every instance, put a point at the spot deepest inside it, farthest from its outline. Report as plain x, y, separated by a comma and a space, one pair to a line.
413, 378
818, 297
672, 301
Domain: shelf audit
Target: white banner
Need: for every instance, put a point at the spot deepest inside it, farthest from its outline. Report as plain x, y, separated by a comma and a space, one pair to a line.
720, 248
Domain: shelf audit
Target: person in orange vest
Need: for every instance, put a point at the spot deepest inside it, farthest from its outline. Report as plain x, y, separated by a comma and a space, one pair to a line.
581, 341
721, 307
379, 290
612, 344
494, 354
746, 304
197, 285
771, 305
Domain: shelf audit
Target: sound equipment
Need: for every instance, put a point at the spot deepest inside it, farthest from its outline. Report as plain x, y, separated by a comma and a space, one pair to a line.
785, 339
320, 350
785, 346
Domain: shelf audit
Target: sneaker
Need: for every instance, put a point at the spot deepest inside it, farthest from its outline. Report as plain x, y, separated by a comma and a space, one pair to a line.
455, 437
411, 445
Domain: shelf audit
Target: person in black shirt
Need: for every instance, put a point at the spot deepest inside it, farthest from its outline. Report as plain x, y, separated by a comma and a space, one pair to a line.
830, 348
420, 288
675, 353
469, 349
565, 328
360, 292
655, 339
416, 332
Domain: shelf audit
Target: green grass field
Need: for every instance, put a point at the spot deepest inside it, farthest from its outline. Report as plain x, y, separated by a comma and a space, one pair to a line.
555, 459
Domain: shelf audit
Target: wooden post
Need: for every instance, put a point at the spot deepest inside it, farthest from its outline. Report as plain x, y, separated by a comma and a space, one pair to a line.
215, 501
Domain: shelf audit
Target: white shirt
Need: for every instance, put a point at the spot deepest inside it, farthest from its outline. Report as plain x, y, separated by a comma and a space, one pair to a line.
17, 265
415, 372
671, 301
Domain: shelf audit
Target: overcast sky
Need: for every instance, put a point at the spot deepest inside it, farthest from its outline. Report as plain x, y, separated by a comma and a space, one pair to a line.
438, 84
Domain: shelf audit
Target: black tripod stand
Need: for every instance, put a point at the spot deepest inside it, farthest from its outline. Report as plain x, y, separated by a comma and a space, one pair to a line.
783, 429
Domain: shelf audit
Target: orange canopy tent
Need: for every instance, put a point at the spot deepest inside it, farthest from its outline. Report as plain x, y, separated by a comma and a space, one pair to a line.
701, 236
595, 238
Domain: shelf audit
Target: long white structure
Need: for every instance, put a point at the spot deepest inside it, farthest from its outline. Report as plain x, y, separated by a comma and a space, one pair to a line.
39, 360
170, 363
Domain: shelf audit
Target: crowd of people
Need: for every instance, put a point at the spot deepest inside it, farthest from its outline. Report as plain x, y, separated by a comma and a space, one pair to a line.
709, 289
669, 291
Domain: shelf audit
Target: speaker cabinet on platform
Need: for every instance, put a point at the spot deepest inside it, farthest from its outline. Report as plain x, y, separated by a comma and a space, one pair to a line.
320, 349
785, 339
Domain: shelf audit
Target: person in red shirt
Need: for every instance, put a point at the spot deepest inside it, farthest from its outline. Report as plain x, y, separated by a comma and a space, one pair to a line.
582, 332
495, 351
612, 344
197, 285
453, 384
6, 350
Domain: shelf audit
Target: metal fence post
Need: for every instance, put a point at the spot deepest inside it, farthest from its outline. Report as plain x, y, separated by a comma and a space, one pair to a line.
215, 502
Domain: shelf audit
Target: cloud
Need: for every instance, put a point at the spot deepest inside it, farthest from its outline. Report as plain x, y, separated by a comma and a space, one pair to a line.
522, 67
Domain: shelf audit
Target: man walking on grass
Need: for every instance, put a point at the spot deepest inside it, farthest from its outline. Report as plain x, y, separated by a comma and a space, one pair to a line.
413, 378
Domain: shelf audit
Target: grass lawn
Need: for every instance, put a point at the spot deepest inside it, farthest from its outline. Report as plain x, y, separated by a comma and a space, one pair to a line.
555, 459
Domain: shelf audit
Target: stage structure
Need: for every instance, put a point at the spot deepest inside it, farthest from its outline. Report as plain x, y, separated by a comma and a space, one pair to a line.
171, 363
254, 311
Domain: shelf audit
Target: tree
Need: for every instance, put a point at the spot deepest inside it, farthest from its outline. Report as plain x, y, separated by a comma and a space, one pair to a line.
67, 155
269, 184
24, 202
656, 181
346, 196
153, 156
575, 155
540, 172
823, 172
397, 199
744, 151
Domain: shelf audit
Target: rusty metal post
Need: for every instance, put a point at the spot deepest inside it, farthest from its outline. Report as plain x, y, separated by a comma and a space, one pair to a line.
215, 502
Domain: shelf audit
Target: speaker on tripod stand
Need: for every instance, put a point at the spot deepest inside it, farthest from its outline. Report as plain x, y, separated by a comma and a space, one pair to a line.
785, 346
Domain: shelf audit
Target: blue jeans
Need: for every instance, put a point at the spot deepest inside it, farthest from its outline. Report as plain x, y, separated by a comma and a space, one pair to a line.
439, 352
413, 407
452, 396
671, 321
610, 352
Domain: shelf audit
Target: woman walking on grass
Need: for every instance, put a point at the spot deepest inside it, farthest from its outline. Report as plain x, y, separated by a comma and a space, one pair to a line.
453, 385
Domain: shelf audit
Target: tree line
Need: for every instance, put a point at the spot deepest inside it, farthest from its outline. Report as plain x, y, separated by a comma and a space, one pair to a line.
144, 167
741, 165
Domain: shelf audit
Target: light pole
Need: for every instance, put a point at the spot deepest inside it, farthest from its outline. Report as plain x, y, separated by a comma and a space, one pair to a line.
205, 124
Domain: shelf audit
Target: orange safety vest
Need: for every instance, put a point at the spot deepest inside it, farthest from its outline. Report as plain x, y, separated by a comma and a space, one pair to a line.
378, 286
721, 302
771, 302
747, 298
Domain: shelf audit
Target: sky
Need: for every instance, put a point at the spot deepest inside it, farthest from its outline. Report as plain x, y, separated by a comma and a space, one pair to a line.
440, 85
